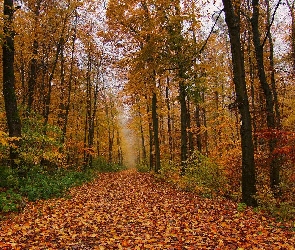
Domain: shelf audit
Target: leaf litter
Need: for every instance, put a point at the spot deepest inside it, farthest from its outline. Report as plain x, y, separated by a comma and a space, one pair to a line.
131, 210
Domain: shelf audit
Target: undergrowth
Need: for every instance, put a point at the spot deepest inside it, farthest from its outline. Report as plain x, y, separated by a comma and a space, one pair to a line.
101, 165
208, 179
39, 183
202, 175
143, 168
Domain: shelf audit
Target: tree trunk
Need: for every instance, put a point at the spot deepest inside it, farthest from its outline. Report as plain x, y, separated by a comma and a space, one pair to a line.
291, 5
111, 143
91, 128
232, 18
33, 63
272, 71
156, 133
88, 110
206, 136
144, 155
169, 125
190, 133
198, 124
68, 101
252, 89
183, 125
119, 151
49, 83
270, 115
151, 141
12, 115
33, 77
61, 111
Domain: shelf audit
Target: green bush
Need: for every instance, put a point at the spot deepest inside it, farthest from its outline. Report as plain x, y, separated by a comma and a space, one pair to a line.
282, 210
8, 177
143, 168
241, 207
10, 201
204, 175
41, 186
44, 185
39, 147
101, 165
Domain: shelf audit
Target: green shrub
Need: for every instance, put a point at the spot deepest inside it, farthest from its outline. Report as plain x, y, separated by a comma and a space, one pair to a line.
101, 165
204, 176
143, 168
241, 207
284, 211
8, 177
41, 184
39, 147
10, 201
41, 187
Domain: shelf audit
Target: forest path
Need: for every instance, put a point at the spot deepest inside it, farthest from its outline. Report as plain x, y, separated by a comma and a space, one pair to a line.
131, 210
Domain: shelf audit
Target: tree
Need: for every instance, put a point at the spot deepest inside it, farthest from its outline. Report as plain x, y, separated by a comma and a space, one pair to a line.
232, 18
12, 115
291, 6
32, 82
268, 92
138, 26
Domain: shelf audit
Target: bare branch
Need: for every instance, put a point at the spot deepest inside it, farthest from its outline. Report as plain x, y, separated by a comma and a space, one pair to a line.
271, 23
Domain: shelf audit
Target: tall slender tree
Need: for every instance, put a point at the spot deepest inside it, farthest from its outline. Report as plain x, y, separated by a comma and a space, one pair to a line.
291, 6
12, 115
268, 92
232, 18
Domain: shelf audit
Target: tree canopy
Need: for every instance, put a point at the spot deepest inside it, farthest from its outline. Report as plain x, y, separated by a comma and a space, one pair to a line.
197, 91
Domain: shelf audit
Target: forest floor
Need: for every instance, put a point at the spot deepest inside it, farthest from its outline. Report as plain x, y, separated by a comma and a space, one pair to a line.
131, 210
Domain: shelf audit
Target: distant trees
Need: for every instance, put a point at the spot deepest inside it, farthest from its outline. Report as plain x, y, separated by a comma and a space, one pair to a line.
163, 52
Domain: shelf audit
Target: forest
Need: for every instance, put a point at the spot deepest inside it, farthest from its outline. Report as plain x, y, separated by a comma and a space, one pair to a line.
196, 95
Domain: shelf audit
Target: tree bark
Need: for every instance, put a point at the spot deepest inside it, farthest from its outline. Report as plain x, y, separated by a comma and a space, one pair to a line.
291, 6
169, 125
151, 140
88, 110
270, 115
91, 129
272, 71
232, 18
252, 78
70, 83
190, 133
198, 124
47, 100
144, 155
156, 133
12, 115
33, 63
119, 150
206, 136
183, 125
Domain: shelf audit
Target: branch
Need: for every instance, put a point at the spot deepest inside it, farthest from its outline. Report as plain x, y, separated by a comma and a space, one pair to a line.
212, 29
271, 23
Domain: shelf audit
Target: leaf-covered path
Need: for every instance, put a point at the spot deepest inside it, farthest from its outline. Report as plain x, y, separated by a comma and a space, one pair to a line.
129, 210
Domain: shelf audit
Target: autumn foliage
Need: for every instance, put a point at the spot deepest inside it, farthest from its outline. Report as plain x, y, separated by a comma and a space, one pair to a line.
198, 93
